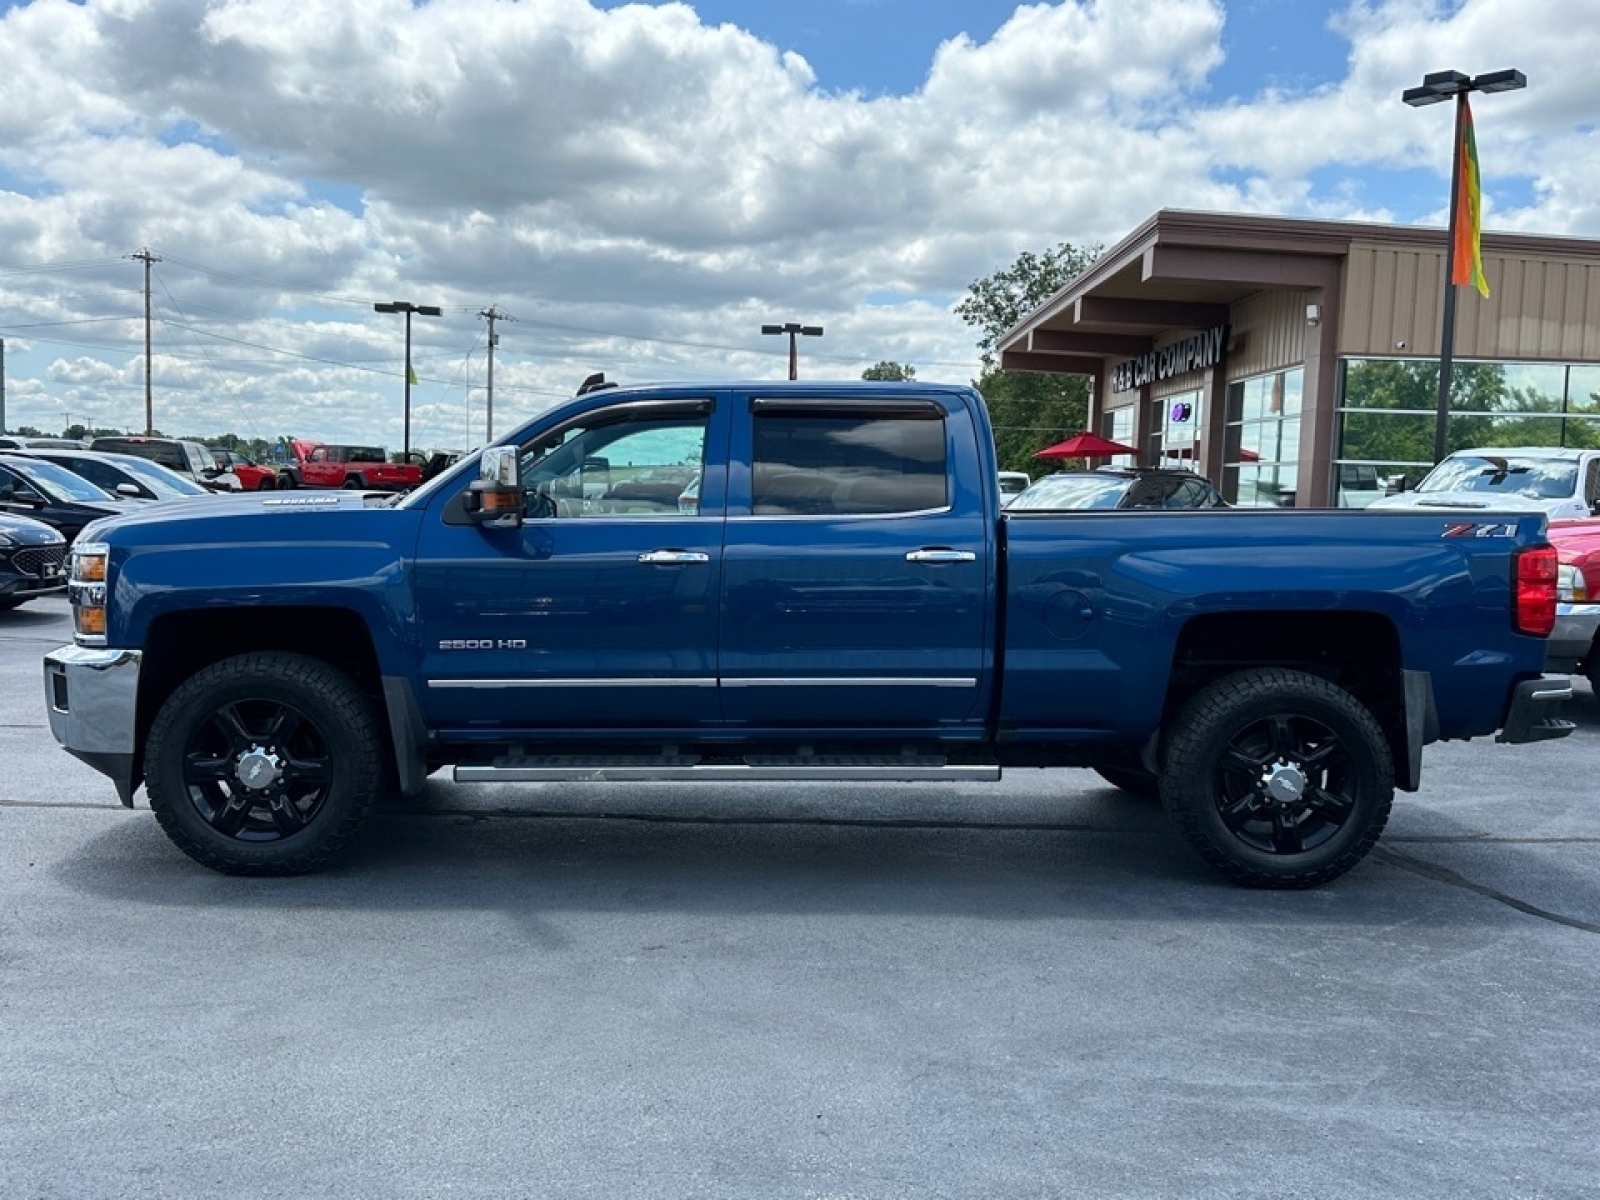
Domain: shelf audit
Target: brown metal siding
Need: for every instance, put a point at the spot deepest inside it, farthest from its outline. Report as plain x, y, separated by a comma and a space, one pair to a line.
1269, 333
1541, 308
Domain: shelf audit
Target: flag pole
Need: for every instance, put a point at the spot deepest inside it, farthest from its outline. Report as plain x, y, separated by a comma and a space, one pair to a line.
1447, 334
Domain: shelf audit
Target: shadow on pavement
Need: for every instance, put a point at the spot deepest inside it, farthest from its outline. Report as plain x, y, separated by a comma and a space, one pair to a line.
1099, 855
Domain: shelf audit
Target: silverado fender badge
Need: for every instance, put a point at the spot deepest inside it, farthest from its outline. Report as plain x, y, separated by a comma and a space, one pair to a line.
299, 501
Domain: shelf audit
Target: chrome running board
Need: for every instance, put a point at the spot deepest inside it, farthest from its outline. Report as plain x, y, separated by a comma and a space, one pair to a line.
754, 768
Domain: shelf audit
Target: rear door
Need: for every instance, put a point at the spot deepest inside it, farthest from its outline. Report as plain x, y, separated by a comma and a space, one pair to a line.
857, 577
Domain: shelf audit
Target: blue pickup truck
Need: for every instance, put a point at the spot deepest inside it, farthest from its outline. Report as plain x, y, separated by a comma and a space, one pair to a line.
773, 581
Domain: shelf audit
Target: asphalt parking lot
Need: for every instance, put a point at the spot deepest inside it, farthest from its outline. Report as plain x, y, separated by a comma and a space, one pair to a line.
1028, 989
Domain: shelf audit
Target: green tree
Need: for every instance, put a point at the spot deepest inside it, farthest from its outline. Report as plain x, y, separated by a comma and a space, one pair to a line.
997, 302
890, 371
1029, 410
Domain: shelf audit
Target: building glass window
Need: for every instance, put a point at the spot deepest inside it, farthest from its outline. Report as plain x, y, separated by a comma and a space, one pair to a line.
1387, 411
1261, 439
1117, 425
1175, 430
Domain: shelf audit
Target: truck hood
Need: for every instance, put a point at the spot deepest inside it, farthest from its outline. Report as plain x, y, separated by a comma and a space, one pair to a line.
248, 514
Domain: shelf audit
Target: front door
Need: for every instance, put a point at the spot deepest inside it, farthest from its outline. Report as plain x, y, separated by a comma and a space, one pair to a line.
598, 615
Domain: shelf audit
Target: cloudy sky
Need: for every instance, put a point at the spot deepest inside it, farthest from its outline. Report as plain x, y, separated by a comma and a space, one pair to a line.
641, 186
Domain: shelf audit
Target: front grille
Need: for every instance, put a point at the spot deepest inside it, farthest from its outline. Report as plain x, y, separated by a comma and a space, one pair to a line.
35, 560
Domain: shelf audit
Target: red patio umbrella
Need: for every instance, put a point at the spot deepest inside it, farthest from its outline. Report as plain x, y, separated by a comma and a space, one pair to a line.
1086, 445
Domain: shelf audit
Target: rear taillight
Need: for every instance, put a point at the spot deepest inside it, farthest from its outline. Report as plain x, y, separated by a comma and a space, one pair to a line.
1536, 574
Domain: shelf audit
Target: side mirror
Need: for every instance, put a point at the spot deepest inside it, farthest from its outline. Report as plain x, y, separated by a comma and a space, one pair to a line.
494, 498
131, 490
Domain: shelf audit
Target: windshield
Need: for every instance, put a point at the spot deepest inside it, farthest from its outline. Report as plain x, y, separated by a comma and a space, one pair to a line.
58, 481
164, 483
1072, 491
1496, 475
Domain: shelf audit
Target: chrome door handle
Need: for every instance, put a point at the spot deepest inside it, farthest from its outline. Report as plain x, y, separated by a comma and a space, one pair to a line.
673, 558
941, 556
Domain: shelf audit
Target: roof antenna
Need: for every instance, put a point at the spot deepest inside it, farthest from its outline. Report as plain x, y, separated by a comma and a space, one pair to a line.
594, 383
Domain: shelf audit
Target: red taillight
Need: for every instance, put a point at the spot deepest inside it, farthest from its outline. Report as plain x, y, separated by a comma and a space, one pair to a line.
1537, 571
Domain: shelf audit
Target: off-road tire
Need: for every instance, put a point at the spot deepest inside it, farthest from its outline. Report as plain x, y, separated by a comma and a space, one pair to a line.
1236, 754
292, 717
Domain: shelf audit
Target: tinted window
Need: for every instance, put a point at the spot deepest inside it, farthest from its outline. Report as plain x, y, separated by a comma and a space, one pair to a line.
168, 454
840, 463
101, 474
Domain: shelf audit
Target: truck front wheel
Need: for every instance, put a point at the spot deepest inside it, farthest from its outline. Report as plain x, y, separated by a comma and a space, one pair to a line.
1278, 778
264, 764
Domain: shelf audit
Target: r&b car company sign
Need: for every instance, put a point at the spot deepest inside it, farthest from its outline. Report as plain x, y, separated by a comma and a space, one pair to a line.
1191, 354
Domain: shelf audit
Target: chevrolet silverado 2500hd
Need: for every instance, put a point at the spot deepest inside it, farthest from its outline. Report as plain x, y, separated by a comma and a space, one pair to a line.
840, 597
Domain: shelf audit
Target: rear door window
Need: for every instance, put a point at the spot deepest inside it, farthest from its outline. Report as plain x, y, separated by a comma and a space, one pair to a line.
850, 458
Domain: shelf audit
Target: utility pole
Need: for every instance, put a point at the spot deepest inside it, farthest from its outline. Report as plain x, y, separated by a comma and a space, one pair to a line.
147, 258
491, 315
2, 385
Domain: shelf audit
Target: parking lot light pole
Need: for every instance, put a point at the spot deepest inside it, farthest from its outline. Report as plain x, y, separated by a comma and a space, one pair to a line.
426, 310
1436, 88
793, 329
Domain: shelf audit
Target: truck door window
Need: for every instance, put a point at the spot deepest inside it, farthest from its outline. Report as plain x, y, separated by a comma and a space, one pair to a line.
812, 459
608, 466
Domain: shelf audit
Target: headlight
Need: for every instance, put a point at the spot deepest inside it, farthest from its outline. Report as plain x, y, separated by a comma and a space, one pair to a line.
1571, 587
89, 562
86, 590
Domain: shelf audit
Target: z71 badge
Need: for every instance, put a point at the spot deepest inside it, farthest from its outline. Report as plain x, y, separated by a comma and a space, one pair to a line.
1475, 529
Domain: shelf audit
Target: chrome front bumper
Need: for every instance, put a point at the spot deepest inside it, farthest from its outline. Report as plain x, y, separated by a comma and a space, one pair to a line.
91, 697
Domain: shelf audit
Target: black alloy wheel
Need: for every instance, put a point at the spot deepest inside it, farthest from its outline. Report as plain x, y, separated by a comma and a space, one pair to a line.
264, 764
1278, 778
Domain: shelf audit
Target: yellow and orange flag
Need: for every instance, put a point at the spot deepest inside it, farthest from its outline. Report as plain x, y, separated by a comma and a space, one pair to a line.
1469, 211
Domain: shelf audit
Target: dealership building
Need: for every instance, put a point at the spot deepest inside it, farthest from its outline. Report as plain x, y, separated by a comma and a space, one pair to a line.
1296, 362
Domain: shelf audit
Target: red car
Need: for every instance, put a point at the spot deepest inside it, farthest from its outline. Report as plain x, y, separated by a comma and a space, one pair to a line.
251, 475
1571, 646
319, 465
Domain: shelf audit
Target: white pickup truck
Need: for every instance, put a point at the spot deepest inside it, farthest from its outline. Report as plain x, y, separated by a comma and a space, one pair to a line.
1561, 482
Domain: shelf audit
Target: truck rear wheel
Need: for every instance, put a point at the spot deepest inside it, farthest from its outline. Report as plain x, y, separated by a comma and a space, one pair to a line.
264, 764
285, 481
1278, 778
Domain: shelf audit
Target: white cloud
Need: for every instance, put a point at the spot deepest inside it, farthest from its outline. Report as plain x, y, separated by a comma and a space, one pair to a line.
643, 190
